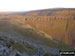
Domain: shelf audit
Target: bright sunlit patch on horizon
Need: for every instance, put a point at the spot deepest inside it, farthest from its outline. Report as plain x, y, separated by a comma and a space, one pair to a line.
27, 5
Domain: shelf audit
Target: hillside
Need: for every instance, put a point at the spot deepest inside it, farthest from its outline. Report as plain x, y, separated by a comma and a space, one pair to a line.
40, 32
23, 39
58, 23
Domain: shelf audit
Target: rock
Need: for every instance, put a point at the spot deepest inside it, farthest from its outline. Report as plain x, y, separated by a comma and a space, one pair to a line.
9, 37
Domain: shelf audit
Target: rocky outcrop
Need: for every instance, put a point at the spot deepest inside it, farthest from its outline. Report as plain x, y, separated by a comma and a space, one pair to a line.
16, 45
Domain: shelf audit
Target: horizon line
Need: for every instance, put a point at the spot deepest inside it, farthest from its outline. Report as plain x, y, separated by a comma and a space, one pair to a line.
35, 10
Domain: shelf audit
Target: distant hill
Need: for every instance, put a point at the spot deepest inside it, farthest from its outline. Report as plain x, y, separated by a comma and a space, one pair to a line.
50, 12
44, 12
5, 13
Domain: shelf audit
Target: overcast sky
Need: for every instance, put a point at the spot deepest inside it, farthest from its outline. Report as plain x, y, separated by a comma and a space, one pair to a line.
27, 5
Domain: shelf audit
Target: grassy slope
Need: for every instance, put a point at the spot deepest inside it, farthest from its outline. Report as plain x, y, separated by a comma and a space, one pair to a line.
36, 35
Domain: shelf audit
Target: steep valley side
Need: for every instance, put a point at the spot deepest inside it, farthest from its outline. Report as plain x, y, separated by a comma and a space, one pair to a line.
58, 27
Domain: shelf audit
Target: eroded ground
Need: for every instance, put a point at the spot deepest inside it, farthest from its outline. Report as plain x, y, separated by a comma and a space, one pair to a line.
17, 39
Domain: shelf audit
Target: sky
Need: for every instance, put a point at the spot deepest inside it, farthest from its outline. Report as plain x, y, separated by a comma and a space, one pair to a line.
28, 5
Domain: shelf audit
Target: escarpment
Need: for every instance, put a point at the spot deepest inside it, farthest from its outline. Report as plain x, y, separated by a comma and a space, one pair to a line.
60, 28
58, 23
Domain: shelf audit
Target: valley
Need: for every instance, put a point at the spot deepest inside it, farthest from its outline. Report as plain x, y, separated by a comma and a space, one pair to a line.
37, 33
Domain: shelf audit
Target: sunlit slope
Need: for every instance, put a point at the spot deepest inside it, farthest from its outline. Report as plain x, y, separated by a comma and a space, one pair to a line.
58, 23
36, 35
58, 27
